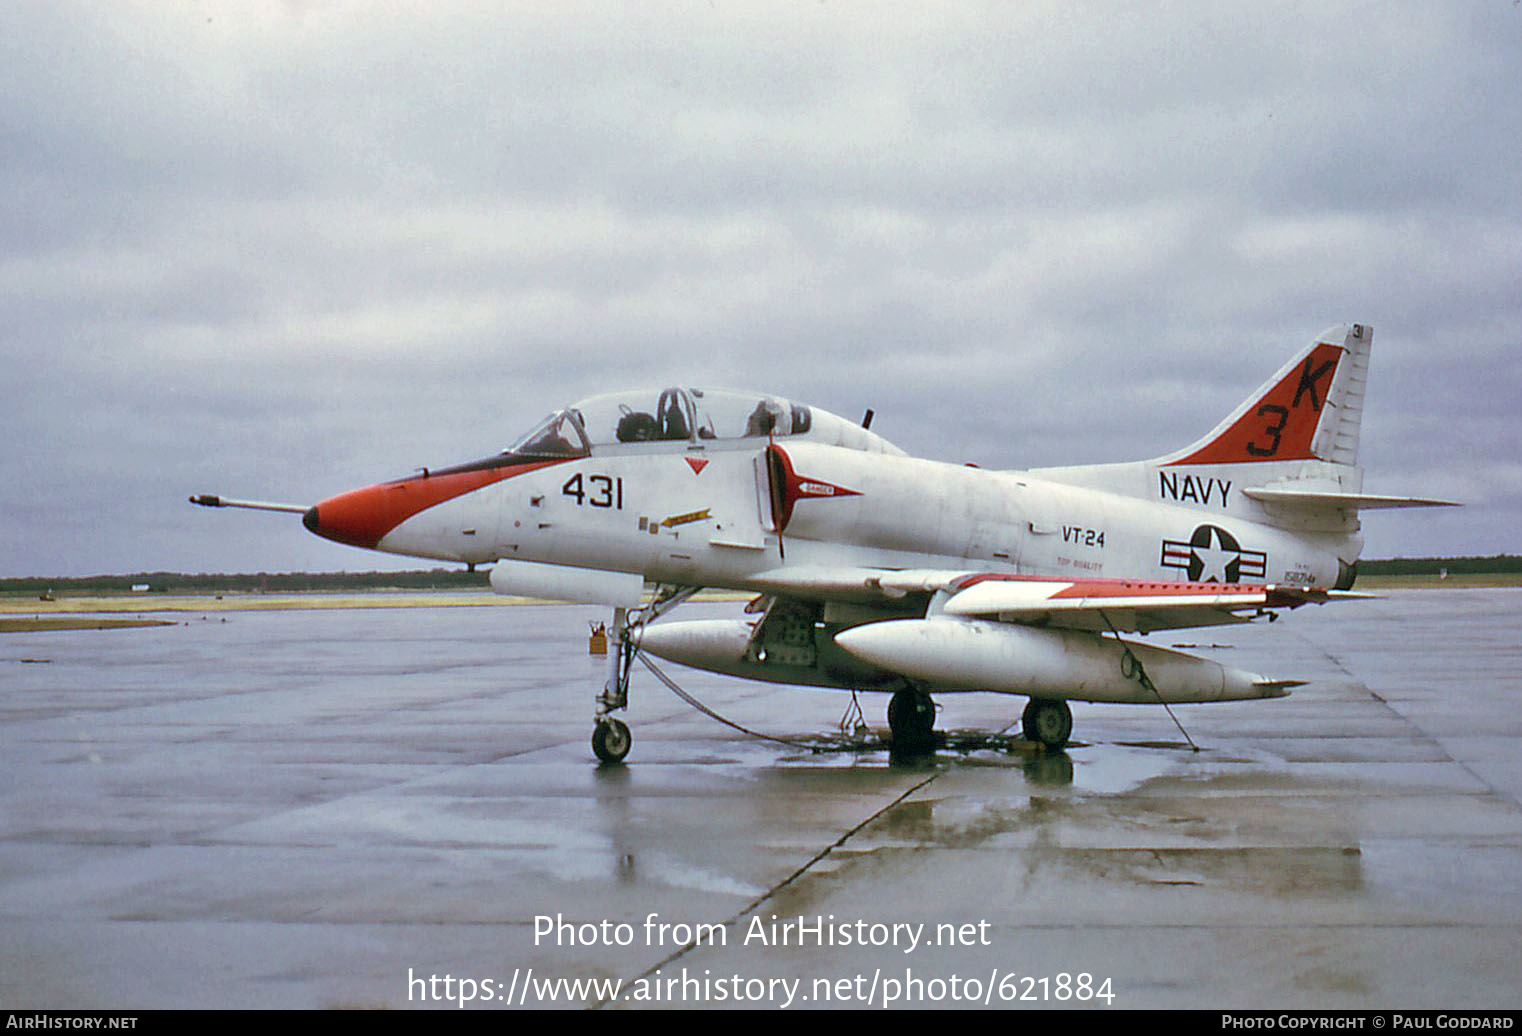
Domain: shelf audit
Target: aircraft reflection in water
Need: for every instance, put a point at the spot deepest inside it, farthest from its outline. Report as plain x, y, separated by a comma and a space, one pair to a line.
878, 571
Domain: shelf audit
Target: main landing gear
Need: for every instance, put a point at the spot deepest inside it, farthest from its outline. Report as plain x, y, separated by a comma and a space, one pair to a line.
1048, 721
611, 739
911, 720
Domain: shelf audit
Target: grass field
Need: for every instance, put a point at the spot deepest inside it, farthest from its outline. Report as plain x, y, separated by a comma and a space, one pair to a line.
68, 612
39, 625
152, 604
145, 604
1462, 581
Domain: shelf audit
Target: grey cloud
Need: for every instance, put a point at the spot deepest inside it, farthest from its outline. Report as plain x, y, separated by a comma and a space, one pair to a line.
286, 249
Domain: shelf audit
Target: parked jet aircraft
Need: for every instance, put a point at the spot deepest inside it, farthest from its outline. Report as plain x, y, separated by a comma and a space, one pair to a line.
878, 571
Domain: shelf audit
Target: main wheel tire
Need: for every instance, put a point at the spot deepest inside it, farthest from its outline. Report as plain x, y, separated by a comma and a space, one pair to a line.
911, 718
611, 741
1048, 721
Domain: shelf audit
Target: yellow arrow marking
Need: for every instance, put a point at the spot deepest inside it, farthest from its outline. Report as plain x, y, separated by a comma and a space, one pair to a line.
683, 519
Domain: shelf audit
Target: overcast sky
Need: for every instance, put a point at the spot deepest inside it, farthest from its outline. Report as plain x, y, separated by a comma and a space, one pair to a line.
283, 250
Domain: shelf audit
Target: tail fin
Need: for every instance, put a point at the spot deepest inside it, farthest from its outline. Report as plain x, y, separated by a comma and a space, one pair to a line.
1288, 455
1311, 409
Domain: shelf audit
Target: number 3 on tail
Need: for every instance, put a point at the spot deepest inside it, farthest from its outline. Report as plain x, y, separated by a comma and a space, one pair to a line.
1274, 431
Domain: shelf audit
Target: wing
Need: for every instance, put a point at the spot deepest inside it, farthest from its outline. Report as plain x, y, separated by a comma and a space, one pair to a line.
1093, 605
1102, 605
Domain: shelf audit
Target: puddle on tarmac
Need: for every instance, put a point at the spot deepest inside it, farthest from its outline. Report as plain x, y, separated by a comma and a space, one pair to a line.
1102, 769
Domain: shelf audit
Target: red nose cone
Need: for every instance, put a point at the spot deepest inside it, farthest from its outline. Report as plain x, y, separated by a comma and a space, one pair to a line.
360, 518
363, 517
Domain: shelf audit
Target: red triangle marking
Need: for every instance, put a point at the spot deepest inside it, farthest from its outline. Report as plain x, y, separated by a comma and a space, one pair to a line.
696, 464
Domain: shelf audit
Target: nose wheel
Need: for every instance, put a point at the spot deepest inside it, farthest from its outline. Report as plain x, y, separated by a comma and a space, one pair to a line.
611, 740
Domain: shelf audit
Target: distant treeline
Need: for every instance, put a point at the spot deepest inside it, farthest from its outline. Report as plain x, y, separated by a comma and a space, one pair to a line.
462, 579
1501, 563
259, 582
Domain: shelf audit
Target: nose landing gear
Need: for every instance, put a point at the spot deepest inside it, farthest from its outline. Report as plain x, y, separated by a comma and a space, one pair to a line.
611, 739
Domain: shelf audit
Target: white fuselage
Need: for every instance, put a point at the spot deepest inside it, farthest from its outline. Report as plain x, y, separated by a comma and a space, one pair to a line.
718, 515
881, 571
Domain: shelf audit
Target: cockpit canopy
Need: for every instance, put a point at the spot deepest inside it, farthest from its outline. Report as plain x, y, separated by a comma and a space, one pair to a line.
688, 415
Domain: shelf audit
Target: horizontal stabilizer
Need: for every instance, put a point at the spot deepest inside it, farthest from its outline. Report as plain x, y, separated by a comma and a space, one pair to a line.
1340, 501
